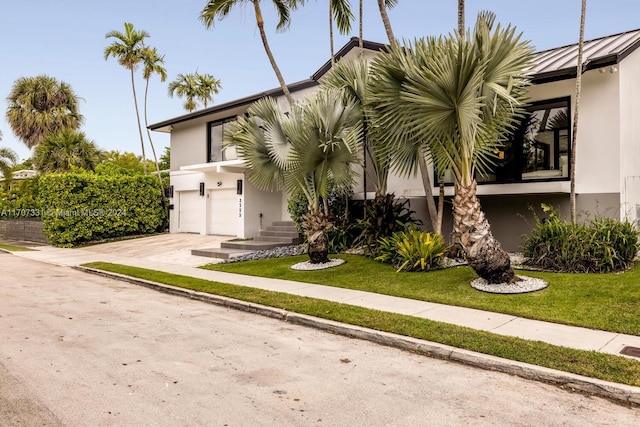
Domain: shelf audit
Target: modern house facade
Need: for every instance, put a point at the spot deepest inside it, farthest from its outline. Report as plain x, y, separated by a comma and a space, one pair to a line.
210, 194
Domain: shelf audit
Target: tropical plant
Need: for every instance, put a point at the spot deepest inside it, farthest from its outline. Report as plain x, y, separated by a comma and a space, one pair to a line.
65, 150
116, 162
39, 106
152, 65
194, 87
602, 245
574, 133
165, 159
8, 159
128, 48
384, 216
435, 214
412, 249
458, 97
304, 150
219, 9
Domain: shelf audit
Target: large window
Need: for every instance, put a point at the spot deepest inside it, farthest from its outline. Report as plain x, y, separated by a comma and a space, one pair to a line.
537, 150
215, 153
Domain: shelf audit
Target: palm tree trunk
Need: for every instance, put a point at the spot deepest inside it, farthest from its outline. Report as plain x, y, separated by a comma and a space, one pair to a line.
461, 17
436, 225
135, 102
333, 56
360, 36
153, 149
385, 21
272, 60
472, 231
574, 134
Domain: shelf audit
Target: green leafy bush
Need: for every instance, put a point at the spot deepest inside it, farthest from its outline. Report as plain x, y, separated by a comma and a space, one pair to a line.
340, 234
383, 216
83, 207
602, 245
412, 250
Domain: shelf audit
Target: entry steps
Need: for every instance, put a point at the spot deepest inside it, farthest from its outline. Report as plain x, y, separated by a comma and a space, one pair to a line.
279, 233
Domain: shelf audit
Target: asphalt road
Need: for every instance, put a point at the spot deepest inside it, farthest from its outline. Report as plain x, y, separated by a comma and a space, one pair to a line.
78, 349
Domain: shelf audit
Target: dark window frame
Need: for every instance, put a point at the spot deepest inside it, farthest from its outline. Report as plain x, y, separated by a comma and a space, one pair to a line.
212, 124
564, 101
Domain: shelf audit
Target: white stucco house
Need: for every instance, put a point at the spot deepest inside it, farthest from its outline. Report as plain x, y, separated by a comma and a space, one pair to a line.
210, 194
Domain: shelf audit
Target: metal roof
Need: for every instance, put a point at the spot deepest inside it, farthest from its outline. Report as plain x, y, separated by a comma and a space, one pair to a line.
561, 62
550, 65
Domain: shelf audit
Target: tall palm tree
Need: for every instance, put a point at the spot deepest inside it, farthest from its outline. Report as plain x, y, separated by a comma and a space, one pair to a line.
435, 215
152, 65
315, 143
460, 96
41, 105
219, 9
574, 136
194, 87
128, 48
62, 151
340, 11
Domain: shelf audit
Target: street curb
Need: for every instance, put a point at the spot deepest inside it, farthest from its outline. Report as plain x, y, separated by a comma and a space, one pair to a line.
618, 393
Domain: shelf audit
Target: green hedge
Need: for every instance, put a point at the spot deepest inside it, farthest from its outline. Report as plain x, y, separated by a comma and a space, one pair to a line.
83, 207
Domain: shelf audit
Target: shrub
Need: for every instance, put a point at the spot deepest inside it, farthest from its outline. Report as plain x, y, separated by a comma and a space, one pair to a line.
83, 207
383, 216
340, 234
412, 250
603, 245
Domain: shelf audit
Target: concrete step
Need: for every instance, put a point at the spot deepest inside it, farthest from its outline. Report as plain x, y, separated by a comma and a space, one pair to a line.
281, 228
220, 253
284, 223
287, 240
253, 245
277, 233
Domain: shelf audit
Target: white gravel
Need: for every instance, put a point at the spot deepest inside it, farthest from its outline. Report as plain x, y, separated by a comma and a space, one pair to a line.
524, 285
308, 266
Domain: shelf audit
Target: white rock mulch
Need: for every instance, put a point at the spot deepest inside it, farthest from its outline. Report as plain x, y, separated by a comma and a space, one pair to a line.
524, 285
308, 266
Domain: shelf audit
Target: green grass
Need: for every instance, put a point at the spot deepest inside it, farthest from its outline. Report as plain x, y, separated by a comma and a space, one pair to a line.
609, 302
589, 363
14, 248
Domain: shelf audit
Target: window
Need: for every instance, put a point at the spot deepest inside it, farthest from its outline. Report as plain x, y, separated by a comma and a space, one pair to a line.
537, 150
215, 133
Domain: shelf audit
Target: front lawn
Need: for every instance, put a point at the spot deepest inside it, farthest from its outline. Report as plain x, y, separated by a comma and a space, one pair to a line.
14, 248
609, 302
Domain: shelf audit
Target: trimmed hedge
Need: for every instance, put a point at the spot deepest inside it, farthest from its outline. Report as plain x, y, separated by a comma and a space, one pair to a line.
84, 207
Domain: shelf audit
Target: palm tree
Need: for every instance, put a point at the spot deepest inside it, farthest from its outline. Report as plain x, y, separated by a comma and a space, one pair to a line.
340, 11
459, 96
460, 17
128, 48
194, 87
8, 159
207, 86
62, 151
152, 65
574, 137
315, 143
219, 9
41, 105
435, 214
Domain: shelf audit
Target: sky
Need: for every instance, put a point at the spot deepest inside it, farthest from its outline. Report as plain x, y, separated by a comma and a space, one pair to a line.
65, 39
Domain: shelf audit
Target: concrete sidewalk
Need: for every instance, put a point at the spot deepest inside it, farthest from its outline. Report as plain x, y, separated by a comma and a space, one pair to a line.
185, 264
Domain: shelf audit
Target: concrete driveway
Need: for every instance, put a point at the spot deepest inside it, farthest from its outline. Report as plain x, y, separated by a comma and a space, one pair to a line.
169, 248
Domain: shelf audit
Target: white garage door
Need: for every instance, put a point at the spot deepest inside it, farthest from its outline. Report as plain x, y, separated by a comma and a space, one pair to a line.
189, 215
224, 211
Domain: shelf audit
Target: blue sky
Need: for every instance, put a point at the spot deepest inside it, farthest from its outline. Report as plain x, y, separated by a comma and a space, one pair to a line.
65, 39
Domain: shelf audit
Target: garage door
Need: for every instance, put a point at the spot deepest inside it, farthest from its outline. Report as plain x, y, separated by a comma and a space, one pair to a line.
189, 214
224, 212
